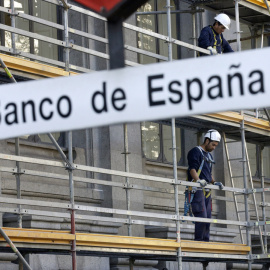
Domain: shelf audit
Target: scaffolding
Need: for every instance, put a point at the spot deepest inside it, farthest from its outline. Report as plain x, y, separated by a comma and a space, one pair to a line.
237, 126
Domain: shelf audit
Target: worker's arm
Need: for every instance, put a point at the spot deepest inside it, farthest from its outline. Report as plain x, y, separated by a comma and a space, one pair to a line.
196, 178
204, 40
194, 175
226, 47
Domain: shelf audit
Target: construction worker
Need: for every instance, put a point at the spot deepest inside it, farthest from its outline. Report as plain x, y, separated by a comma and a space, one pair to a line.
211, 37
200, 163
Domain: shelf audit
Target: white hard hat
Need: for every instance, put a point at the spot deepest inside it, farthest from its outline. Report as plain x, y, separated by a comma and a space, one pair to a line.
213, 135
224, 20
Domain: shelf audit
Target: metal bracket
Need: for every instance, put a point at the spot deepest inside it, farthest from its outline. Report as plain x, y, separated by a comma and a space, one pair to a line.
69, 167
257, 190
16, 172
251, 191
68, 46
65, 5
15, 13
15, 52
128, 186
251, 224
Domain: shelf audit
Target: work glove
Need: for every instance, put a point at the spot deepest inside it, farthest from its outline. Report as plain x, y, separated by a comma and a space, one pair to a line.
212, 50
202, 182
194, 189
219, 184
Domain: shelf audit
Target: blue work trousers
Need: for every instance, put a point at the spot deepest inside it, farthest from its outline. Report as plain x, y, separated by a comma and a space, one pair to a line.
202, 207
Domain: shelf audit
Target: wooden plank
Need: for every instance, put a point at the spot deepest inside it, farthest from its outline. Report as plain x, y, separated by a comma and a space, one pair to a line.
26, 234
33, 67
237, 118
214, 247
53, 237
260, 3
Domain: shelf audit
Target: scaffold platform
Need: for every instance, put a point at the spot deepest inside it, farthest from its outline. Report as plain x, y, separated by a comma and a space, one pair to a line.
53, 241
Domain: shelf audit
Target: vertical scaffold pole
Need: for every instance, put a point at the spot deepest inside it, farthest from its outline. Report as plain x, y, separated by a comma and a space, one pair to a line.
179, 258
262, 35
128, 198
66, 33
246, 187
194, 32
18, 181
13, 24
263, 197
169, 29
178, 238
18, 187
238, 33
71, 190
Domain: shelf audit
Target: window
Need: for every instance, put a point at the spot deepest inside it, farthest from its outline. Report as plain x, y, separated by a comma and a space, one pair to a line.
37, 8
157, 142
155, 23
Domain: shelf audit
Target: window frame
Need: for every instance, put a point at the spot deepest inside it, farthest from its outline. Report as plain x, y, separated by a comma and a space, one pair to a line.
157, 28
161, 157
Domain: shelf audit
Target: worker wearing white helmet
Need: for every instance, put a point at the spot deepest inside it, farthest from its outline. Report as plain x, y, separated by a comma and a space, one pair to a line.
200, 162
211, 36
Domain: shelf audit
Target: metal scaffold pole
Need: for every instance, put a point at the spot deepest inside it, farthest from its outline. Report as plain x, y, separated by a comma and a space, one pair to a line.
237, 19
18, 187
7, 71
13, 24
176, 193
194, 32
18, 180
71, 189
66, 33
178, 238
261, 173
169, 29
262, 36
128, 198
126, 153
244, 160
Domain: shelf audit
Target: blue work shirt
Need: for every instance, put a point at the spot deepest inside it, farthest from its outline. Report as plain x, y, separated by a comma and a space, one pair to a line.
209, 37
195, 158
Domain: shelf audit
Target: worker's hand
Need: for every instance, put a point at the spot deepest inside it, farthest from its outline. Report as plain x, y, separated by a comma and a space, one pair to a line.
202, 182
212, 50
219, 184
194, 189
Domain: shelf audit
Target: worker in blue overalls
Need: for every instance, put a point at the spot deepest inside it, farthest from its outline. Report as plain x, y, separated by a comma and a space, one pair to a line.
211, 37
200, 163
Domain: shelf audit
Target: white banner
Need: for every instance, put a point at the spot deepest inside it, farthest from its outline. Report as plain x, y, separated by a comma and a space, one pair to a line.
159, 91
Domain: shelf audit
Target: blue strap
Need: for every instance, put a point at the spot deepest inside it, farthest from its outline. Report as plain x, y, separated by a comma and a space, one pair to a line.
188, 202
